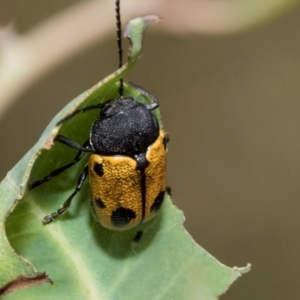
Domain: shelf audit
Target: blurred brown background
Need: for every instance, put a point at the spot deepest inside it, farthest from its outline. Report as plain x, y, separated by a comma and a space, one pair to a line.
231, 105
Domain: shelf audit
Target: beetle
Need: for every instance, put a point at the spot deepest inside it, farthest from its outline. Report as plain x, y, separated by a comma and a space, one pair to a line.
127, 165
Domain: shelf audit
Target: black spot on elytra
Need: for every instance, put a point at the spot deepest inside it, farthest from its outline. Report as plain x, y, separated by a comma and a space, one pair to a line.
122, 216
99, 203
158, 202
98, 168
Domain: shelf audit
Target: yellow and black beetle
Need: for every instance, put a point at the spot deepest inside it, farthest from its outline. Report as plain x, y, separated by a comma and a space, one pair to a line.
127, 166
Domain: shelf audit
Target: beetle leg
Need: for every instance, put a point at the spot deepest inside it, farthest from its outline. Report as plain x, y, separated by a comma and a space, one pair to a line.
136, 240
166, 140
77, 111
151, 106
169, 190
49, 218
56, 172
67, 141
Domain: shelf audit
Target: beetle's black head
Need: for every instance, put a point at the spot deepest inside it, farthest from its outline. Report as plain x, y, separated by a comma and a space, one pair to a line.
124, 127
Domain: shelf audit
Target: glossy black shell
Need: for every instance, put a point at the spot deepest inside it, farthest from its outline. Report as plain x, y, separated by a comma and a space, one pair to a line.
124, 127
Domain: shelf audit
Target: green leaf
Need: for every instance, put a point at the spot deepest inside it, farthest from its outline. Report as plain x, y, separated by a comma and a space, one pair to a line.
85, 260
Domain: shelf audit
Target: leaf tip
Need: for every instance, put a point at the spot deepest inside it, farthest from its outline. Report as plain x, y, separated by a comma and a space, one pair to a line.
243, 270
137, 22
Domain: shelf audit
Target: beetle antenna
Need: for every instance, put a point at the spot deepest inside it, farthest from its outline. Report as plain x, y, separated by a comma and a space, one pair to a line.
119, 41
